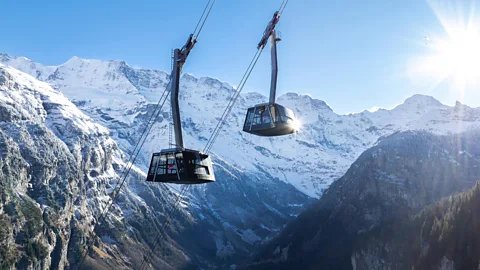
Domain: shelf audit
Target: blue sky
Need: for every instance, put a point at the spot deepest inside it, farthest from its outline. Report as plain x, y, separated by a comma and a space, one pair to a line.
352, 54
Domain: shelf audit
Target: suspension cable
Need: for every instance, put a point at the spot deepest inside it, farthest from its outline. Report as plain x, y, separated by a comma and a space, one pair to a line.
206, 17
149, 126
200, 20
235, 95
178, 191
232, 101
128, 167
180, 194
282, 6
160, 233
214, 135
195, 34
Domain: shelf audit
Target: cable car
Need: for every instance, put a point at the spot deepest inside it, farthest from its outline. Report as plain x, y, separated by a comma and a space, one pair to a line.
269, 120
180, 166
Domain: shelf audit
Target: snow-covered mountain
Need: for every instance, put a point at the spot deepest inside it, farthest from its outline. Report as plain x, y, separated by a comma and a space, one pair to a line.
119, 95
262, 183
58, 169
64, 165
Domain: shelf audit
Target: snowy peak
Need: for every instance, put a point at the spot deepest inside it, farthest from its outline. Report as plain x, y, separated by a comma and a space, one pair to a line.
419, 104
423, 100
205, 85
316, 104
4, 57
26, 65
460, 106
90, 79
75, 60
26, 98
78, 63
255, 98
307, 109
120, 97
215, 83
104, 75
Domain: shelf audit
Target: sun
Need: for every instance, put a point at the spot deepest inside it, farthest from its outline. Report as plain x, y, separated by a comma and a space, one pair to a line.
454, 56
460, 53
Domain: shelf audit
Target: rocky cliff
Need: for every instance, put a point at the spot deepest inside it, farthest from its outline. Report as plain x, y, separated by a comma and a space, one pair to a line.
350, 226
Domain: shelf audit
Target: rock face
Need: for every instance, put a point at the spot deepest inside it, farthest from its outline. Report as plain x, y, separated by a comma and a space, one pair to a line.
57, 170
121, 98
445, 235
262, 183
350, 226
45, 142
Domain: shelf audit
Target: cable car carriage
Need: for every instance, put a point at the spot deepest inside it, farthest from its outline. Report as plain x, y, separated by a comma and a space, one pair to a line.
269, 119
180, 166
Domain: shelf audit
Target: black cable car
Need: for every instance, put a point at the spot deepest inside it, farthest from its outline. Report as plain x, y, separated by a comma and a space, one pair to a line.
270, 119
180, 165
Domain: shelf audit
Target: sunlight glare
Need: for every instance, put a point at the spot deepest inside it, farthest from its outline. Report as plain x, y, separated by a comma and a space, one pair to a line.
455, 57
460, 53
297, 125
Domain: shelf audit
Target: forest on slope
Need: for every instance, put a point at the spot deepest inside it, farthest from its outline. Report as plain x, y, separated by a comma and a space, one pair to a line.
389, 211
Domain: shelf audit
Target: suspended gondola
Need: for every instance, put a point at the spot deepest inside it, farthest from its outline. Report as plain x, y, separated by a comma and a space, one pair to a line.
180, 165
270, 119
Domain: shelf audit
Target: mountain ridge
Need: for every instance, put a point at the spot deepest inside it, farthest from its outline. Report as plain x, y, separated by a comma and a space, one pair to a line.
356, 221
415, 98
114, 90
262, 183
82, 145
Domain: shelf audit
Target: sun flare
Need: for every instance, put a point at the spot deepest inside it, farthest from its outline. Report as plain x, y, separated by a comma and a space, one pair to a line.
297, 125
454, 56
460, 53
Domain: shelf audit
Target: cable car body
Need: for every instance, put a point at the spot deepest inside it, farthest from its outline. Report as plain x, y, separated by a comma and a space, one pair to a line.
270, 119
180, 166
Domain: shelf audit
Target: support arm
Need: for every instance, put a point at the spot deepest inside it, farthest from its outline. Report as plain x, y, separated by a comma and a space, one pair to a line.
175, 77
273, 83
179, 58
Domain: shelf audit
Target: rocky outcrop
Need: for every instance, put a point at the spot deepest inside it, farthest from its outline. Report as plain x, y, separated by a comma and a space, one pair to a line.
57, 171
262, 183
445, 235
388, 184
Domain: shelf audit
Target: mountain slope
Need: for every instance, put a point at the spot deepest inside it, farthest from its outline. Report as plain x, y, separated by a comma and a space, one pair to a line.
45, 139
388, 183
120, 97
57, 171
262, 183
445, 235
